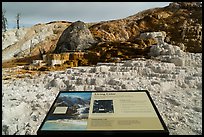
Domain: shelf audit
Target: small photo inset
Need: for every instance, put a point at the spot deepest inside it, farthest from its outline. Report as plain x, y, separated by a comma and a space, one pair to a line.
103, 106
60, 110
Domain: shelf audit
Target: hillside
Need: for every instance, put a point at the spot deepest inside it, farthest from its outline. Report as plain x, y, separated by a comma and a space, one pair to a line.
182, 22
28, 41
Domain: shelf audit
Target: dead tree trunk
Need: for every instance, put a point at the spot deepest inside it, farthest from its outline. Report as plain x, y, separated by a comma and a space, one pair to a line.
18, 20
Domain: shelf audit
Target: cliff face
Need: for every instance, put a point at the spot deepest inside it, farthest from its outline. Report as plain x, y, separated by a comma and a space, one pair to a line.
182, 22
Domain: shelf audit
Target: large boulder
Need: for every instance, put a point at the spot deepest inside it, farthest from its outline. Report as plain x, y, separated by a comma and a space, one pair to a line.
76, 37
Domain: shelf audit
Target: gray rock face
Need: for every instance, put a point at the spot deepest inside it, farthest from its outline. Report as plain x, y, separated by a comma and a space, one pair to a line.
76, 37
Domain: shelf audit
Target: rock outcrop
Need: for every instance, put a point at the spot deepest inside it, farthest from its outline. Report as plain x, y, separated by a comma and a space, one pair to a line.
76, 37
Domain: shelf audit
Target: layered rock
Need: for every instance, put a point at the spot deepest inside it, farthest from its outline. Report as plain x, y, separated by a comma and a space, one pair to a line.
76, 37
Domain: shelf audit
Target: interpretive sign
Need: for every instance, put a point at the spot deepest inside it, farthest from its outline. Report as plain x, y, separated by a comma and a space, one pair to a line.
104, 112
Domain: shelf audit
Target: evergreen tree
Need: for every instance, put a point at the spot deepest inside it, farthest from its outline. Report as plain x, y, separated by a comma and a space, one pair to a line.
4, 21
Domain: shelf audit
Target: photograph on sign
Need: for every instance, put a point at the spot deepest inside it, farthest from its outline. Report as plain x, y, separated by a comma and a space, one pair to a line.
70, 112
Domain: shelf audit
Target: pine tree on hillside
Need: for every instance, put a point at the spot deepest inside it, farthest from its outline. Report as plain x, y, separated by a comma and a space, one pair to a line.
4, 21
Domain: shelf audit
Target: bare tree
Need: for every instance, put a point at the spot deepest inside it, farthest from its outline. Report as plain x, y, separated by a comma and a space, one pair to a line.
18, 20
4, 21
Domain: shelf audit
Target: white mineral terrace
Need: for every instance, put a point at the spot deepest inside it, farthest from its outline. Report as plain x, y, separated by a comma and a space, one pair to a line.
175, 89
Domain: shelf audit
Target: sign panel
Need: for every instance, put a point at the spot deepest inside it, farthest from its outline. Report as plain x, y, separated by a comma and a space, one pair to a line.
104, 112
